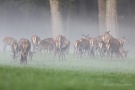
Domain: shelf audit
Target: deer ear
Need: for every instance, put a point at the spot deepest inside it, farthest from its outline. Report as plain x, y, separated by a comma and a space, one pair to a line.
127, 51
124, 37
83, 35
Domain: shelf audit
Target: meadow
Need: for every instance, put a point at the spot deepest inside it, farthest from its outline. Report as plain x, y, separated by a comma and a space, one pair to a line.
42, 73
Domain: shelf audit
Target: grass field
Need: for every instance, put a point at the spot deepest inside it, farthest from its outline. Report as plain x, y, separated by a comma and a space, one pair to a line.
73, 74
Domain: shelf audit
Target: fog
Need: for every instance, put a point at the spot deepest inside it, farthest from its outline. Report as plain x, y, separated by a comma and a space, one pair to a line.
24, 23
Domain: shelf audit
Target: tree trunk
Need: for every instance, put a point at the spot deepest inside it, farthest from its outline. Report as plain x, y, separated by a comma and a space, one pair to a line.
68, 19
102, 16
111, 17
56, 18
82, 9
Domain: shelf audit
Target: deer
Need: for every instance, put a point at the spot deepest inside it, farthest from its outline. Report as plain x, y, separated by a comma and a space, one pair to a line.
44, 45
101, 48
93, 44
123, 53
34, 41
24, 47
68, 43
8, 41
85, 45
78, 48
112, 48
14, 50
61, 39
123, 40
100, 38
75, 47
107, 34
52, 41
61, 49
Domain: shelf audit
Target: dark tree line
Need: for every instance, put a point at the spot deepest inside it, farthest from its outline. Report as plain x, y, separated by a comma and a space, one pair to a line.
65, 16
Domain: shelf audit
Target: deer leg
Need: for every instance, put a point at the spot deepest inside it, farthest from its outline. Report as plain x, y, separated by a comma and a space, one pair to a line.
80, 53
54, 54
26, 61
100, 52
64, 57
74, 51
107, 54
40, 53
77, 54
111, 55
4, 47
46, 52
33, 48
59, 55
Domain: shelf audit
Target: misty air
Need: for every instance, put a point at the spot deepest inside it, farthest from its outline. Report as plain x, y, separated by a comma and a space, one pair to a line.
67, 44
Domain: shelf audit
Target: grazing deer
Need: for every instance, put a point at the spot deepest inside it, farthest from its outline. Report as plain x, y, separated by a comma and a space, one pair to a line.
44, 45
34, 41
61, 49
7, 41
14, 50
123, 52
24, 47
115, 48
52, 41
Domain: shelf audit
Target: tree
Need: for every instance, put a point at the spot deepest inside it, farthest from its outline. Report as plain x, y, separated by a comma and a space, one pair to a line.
111, 17
102, 16
56, 18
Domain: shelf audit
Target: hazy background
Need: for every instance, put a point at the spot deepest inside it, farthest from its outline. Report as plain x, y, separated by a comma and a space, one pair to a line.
22, 19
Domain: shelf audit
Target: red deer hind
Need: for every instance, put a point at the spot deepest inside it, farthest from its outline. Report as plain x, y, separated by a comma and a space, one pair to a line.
52, 41
7, 41
61, 39
24, 46
45, 45
14, 50
62, 44
34, 41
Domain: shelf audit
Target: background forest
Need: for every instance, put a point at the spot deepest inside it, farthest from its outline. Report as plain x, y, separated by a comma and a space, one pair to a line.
71, 18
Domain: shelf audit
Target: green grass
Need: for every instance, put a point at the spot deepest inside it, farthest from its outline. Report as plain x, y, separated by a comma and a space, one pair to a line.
17, 78
73, 74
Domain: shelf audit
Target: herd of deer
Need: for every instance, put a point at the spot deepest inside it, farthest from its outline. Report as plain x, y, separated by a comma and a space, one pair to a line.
22, 48
105, 45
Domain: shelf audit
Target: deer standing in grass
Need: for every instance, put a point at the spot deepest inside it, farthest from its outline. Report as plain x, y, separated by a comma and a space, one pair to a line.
24, 47
62, 44
8, 41
34, 41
